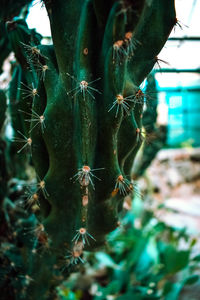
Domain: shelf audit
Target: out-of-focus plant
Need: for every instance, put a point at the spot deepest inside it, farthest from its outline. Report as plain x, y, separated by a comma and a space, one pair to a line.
155, 135
145, 259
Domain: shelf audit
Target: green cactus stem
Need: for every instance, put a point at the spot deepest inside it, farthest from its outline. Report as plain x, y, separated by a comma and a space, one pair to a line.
154, 136
3, 168
86, 119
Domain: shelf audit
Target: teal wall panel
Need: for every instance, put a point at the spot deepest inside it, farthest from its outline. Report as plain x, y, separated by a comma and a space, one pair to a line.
183, 117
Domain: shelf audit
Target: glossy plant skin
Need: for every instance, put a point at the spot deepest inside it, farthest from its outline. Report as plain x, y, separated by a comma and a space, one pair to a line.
92, 65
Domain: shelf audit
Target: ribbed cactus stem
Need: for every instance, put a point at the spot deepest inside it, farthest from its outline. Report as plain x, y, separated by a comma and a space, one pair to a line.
86, 118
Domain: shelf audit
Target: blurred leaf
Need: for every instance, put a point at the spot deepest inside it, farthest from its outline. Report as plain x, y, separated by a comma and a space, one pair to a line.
167, 287
196, 258
160, 227
146, 217
172, 291
173, 259
191, 279
134, 256
113, 287
106, 260
66, 294
128, 296
193, 242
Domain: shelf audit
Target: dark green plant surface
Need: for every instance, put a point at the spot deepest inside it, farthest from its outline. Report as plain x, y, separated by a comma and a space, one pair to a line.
3, 168
75, 129
155, 134
18, 94
9, 9
79, 107
4, 44
12, 8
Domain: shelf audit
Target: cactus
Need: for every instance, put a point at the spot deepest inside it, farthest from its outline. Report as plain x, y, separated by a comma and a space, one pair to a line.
3, 169
18, 97
9, 9
85, 120
15, 243
155, 135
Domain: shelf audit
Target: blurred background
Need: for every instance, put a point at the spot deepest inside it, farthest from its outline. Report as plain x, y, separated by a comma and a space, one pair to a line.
155, 252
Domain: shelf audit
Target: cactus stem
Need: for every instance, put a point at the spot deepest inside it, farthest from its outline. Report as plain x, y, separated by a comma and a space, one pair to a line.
83, 234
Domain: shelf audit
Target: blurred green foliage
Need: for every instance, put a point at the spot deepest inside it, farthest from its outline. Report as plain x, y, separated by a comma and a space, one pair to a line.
145, 259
